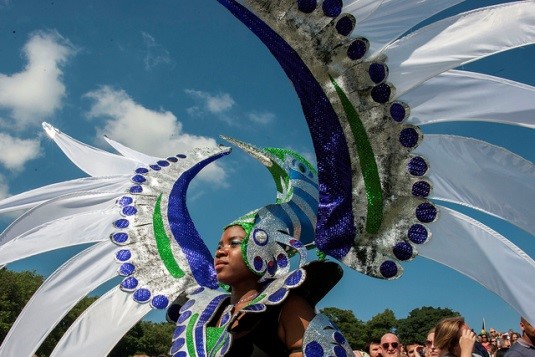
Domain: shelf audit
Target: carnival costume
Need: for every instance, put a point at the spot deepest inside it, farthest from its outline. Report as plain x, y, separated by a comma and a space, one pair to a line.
366, 80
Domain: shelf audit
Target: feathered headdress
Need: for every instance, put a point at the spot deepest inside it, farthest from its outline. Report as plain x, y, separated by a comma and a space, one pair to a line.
367, 81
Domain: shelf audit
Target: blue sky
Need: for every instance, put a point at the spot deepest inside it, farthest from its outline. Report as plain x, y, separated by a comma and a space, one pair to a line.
162, 76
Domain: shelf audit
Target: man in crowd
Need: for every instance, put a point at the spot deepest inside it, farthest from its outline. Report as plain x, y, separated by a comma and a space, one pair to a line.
524, 346
390, 345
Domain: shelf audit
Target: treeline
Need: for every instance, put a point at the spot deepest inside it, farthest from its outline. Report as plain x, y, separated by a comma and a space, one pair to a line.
154, 339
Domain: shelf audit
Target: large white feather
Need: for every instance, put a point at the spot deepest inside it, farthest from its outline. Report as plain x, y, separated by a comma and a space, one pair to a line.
101, 326
65, 287
478, 252
480, 175
467, 96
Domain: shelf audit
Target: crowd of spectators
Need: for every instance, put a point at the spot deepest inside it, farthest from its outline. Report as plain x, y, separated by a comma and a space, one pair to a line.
452, 337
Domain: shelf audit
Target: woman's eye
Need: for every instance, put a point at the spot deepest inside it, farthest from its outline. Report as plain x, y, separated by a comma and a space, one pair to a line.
235, 243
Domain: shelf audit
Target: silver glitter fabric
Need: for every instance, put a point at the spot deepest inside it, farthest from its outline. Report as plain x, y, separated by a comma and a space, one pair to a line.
161, 253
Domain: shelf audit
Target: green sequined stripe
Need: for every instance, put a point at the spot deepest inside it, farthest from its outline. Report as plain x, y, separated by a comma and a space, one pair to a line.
163, 243
368, 165
190, 340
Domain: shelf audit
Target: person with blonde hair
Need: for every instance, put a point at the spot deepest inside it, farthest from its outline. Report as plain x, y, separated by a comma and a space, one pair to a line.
454, 338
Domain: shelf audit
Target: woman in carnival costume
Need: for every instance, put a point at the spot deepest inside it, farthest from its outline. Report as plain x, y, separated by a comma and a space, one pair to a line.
368, 80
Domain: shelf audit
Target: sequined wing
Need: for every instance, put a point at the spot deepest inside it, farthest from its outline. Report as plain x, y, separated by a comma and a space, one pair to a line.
133, 208
368, 78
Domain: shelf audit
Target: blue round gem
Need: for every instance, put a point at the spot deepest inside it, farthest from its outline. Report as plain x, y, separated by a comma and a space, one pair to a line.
345, 25
282, 260
313, 349
378, 72
177, 345
417, 166
181, 156
129, 283
163, 163
141, 170
339, 338
172, 159
306, 6
408, 137
125, 201
181, 354
398, 112
388, 269
183, 317
127, 269
381, 93
332, 8
160, 302
129, 210
178, 331
278, 295
418, 233
426, 212
260, 237
155, 167
339, 351
294, 278
403, 251
358, 48
142, 295
197, 291
121, 223
258, 263
421, 189
123, 255
136, 189
139, 179
119, 238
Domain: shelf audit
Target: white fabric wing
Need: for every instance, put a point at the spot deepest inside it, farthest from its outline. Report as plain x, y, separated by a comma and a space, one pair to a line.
131, 153
394, 17
67, 231
482, 176
65, 287
93, 161
35, 197
467, 96
485, 256
458, 40
101, 326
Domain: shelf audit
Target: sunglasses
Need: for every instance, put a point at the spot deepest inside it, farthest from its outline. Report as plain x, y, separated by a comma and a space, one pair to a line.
393, 344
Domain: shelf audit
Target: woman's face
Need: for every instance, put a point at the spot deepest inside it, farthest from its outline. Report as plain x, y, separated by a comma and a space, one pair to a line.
430, 349
229, 264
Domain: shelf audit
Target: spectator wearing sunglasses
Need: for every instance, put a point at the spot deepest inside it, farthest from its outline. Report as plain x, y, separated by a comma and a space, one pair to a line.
390, 345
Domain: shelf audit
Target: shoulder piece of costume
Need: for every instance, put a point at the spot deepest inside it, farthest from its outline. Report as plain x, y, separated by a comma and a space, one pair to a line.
322, 338
194, 337
369, 76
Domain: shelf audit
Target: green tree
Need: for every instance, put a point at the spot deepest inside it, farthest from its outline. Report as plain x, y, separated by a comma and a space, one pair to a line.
352, 328
17, 288
380, 324
415, 327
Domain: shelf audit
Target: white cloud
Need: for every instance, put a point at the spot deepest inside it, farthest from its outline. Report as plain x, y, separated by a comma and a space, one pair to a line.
36, 92
262, 118
214, 104
156, 54
16, 152
156, 133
